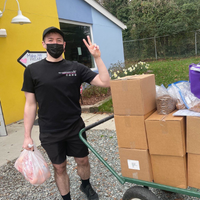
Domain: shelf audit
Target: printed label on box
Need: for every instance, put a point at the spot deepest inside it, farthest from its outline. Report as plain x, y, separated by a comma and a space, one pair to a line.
133, 164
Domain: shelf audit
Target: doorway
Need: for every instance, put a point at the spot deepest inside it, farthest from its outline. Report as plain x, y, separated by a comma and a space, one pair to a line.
75, 48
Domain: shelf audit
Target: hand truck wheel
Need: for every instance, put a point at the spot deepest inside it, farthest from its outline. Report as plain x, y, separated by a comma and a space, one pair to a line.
139, 193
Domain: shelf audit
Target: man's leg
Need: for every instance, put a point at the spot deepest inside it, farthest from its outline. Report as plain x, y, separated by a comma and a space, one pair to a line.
83, 167
62, 178
83, 170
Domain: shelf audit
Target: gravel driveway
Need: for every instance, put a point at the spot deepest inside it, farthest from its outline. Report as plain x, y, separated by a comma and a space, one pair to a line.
14, 186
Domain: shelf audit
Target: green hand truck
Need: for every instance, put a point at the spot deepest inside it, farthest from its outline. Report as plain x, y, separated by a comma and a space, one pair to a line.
141, 192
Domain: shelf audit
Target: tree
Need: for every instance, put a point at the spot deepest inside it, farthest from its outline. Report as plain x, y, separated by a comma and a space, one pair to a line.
163, 17
121, 10
154, 18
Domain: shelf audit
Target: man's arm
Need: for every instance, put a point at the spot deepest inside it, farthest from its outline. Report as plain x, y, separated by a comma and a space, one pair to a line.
29, 118
103, 78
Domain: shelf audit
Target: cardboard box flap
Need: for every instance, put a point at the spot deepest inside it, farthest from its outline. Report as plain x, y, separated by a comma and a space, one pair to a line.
136, 76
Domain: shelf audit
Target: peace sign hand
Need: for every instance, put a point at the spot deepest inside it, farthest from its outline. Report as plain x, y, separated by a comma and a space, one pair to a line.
93, 48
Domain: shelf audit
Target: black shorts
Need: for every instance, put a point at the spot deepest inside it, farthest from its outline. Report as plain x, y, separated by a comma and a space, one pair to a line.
65, 143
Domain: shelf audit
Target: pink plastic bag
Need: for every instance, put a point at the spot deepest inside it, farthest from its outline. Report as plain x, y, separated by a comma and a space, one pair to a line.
32, 166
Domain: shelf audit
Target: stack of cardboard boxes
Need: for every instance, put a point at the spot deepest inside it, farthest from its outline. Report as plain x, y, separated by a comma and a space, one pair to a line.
133, 101
152, 147
166, 139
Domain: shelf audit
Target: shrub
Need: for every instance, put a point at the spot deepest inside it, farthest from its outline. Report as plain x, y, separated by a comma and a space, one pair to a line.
91, 90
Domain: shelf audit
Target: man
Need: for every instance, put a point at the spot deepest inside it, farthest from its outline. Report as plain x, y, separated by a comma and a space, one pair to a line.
54, 83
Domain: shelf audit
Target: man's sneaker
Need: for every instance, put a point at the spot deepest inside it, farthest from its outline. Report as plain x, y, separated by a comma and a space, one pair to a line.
89, 192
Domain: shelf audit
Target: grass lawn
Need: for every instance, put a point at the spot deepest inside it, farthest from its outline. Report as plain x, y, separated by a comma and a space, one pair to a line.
170, 71
166, 72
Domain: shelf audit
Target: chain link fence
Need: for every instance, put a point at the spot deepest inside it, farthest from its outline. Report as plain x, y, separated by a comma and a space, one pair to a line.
174, 46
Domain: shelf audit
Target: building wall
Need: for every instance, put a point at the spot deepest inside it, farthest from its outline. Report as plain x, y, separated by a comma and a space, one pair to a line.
74, 10
105, 33
109, 37
20, 38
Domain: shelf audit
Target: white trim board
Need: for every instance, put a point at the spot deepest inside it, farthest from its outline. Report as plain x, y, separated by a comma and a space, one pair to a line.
107, 14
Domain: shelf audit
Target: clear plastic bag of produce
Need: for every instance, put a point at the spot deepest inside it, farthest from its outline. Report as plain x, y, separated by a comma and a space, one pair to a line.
174, 92
33, 166
190, 100
165, 103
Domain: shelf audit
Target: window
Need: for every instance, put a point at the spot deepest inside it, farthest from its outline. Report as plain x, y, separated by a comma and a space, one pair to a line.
75, 48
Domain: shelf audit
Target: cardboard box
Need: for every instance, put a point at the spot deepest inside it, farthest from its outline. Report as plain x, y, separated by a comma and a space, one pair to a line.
194, 170
170, 170
166, 134
136, 164
133, 95
193, 134
131, 131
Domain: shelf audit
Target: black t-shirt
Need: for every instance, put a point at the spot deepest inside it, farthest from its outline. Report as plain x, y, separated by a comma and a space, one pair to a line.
57, 90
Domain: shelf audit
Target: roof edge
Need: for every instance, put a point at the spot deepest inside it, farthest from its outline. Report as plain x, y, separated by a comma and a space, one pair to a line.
107, 14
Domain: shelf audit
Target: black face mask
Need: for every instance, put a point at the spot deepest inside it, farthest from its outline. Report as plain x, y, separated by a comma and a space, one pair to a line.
55, 50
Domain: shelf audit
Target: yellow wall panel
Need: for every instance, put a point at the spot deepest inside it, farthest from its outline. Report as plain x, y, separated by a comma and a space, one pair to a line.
19, 39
